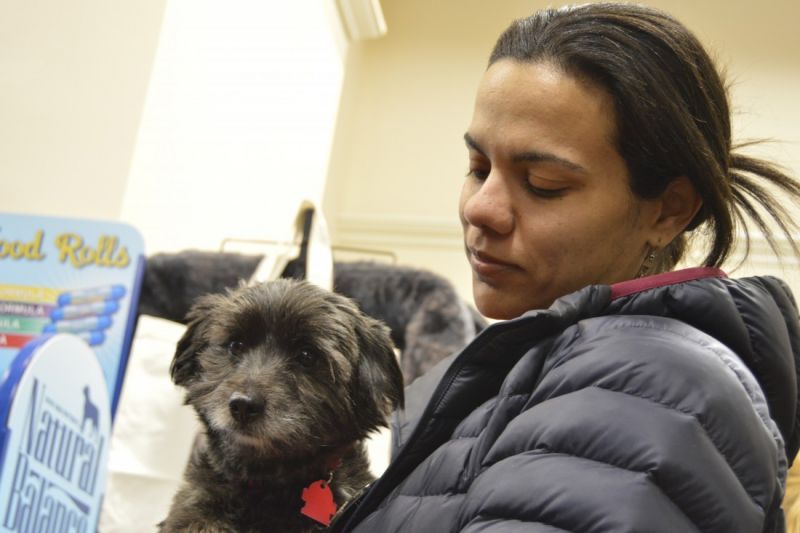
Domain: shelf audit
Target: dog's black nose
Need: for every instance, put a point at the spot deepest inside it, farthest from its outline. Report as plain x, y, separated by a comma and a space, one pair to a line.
245, 408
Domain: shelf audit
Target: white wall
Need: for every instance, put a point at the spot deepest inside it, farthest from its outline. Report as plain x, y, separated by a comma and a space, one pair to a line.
192, 120
73, 77
238, 121
399, 158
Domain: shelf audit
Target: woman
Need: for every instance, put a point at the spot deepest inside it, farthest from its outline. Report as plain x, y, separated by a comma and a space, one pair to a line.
617, 395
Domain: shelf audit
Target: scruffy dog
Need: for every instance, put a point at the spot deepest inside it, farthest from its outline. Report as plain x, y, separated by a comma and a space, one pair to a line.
287, 379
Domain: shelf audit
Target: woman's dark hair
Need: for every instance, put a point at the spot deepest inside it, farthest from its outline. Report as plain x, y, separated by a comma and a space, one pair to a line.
672, 114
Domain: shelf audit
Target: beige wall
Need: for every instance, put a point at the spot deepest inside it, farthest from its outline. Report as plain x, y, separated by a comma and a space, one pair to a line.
73, 77
398, 158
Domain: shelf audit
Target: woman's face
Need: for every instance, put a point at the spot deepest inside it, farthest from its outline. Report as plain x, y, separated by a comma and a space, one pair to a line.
546, 207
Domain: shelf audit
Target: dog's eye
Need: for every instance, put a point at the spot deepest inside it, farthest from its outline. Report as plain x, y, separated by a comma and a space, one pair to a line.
236, 347
307, 358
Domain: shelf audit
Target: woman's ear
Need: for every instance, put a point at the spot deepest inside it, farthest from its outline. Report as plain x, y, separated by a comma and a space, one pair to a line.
679, 203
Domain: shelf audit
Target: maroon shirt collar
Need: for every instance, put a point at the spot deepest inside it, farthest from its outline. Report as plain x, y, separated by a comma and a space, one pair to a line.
626, 288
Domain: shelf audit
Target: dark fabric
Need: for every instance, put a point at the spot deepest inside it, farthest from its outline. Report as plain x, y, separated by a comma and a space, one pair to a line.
427, 318
605, 415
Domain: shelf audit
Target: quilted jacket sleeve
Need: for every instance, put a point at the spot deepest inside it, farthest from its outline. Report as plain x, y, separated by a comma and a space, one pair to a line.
650, 426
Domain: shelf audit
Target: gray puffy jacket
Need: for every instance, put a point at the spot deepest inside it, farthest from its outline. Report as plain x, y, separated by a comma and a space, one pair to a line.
667, 404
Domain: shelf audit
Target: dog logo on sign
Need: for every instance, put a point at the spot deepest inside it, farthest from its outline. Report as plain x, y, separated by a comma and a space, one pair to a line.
90, 412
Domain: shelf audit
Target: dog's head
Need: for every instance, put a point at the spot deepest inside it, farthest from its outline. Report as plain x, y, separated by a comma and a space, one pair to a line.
284, 369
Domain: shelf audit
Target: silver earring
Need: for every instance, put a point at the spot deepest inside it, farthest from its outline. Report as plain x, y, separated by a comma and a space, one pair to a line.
648, 264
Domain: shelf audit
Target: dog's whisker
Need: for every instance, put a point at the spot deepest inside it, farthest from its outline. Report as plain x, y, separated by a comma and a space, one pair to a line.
332, 371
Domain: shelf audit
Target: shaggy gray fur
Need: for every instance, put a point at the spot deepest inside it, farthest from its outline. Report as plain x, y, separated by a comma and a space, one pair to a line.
286, 379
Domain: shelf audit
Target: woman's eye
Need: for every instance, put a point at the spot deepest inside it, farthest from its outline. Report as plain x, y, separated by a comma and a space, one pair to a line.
546, 193
236, 347
478, 174
307, 358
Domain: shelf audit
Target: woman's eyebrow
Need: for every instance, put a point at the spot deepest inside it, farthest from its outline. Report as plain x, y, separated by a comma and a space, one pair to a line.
530, 156
546, 157
471, 143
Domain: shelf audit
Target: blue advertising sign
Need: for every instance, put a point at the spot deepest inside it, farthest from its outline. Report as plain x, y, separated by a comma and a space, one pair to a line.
68, 295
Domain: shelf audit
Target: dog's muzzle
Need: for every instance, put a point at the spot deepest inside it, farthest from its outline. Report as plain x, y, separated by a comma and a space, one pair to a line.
244, 409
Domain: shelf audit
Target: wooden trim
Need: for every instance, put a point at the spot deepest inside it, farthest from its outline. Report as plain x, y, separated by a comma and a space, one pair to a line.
398, 230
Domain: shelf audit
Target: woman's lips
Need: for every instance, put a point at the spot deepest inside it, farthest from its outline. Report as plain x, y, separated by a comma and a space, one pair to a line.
488, 266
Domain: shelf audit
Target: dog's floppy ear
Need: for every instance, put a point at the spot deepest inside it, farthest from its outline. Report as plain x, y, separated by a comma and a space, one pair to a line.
379, 381
184, 364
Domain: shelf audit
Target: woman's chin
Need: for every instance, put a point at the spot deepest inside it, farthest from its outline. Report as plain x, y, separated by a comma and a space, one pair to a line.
496, 305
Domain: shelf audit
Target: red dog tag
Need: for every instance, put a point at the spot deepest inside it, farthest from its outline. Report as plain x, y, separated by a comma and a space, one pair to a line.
319, 504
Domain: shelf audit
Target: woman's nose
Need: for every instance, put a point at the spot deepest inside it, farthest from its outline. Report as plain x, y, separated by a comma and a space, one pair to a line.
488, 204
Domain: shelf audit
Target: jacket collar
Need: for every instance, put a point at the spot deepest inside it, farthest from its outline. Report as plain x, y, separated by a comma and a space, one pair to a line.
626, 288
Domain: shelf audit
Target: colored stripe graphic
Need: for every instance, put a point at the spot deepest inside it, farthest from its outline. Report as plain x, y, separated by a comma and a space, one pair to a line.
8, 340
25, 309
24, 293
13, 324
69, 312
80, 325
94, 294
